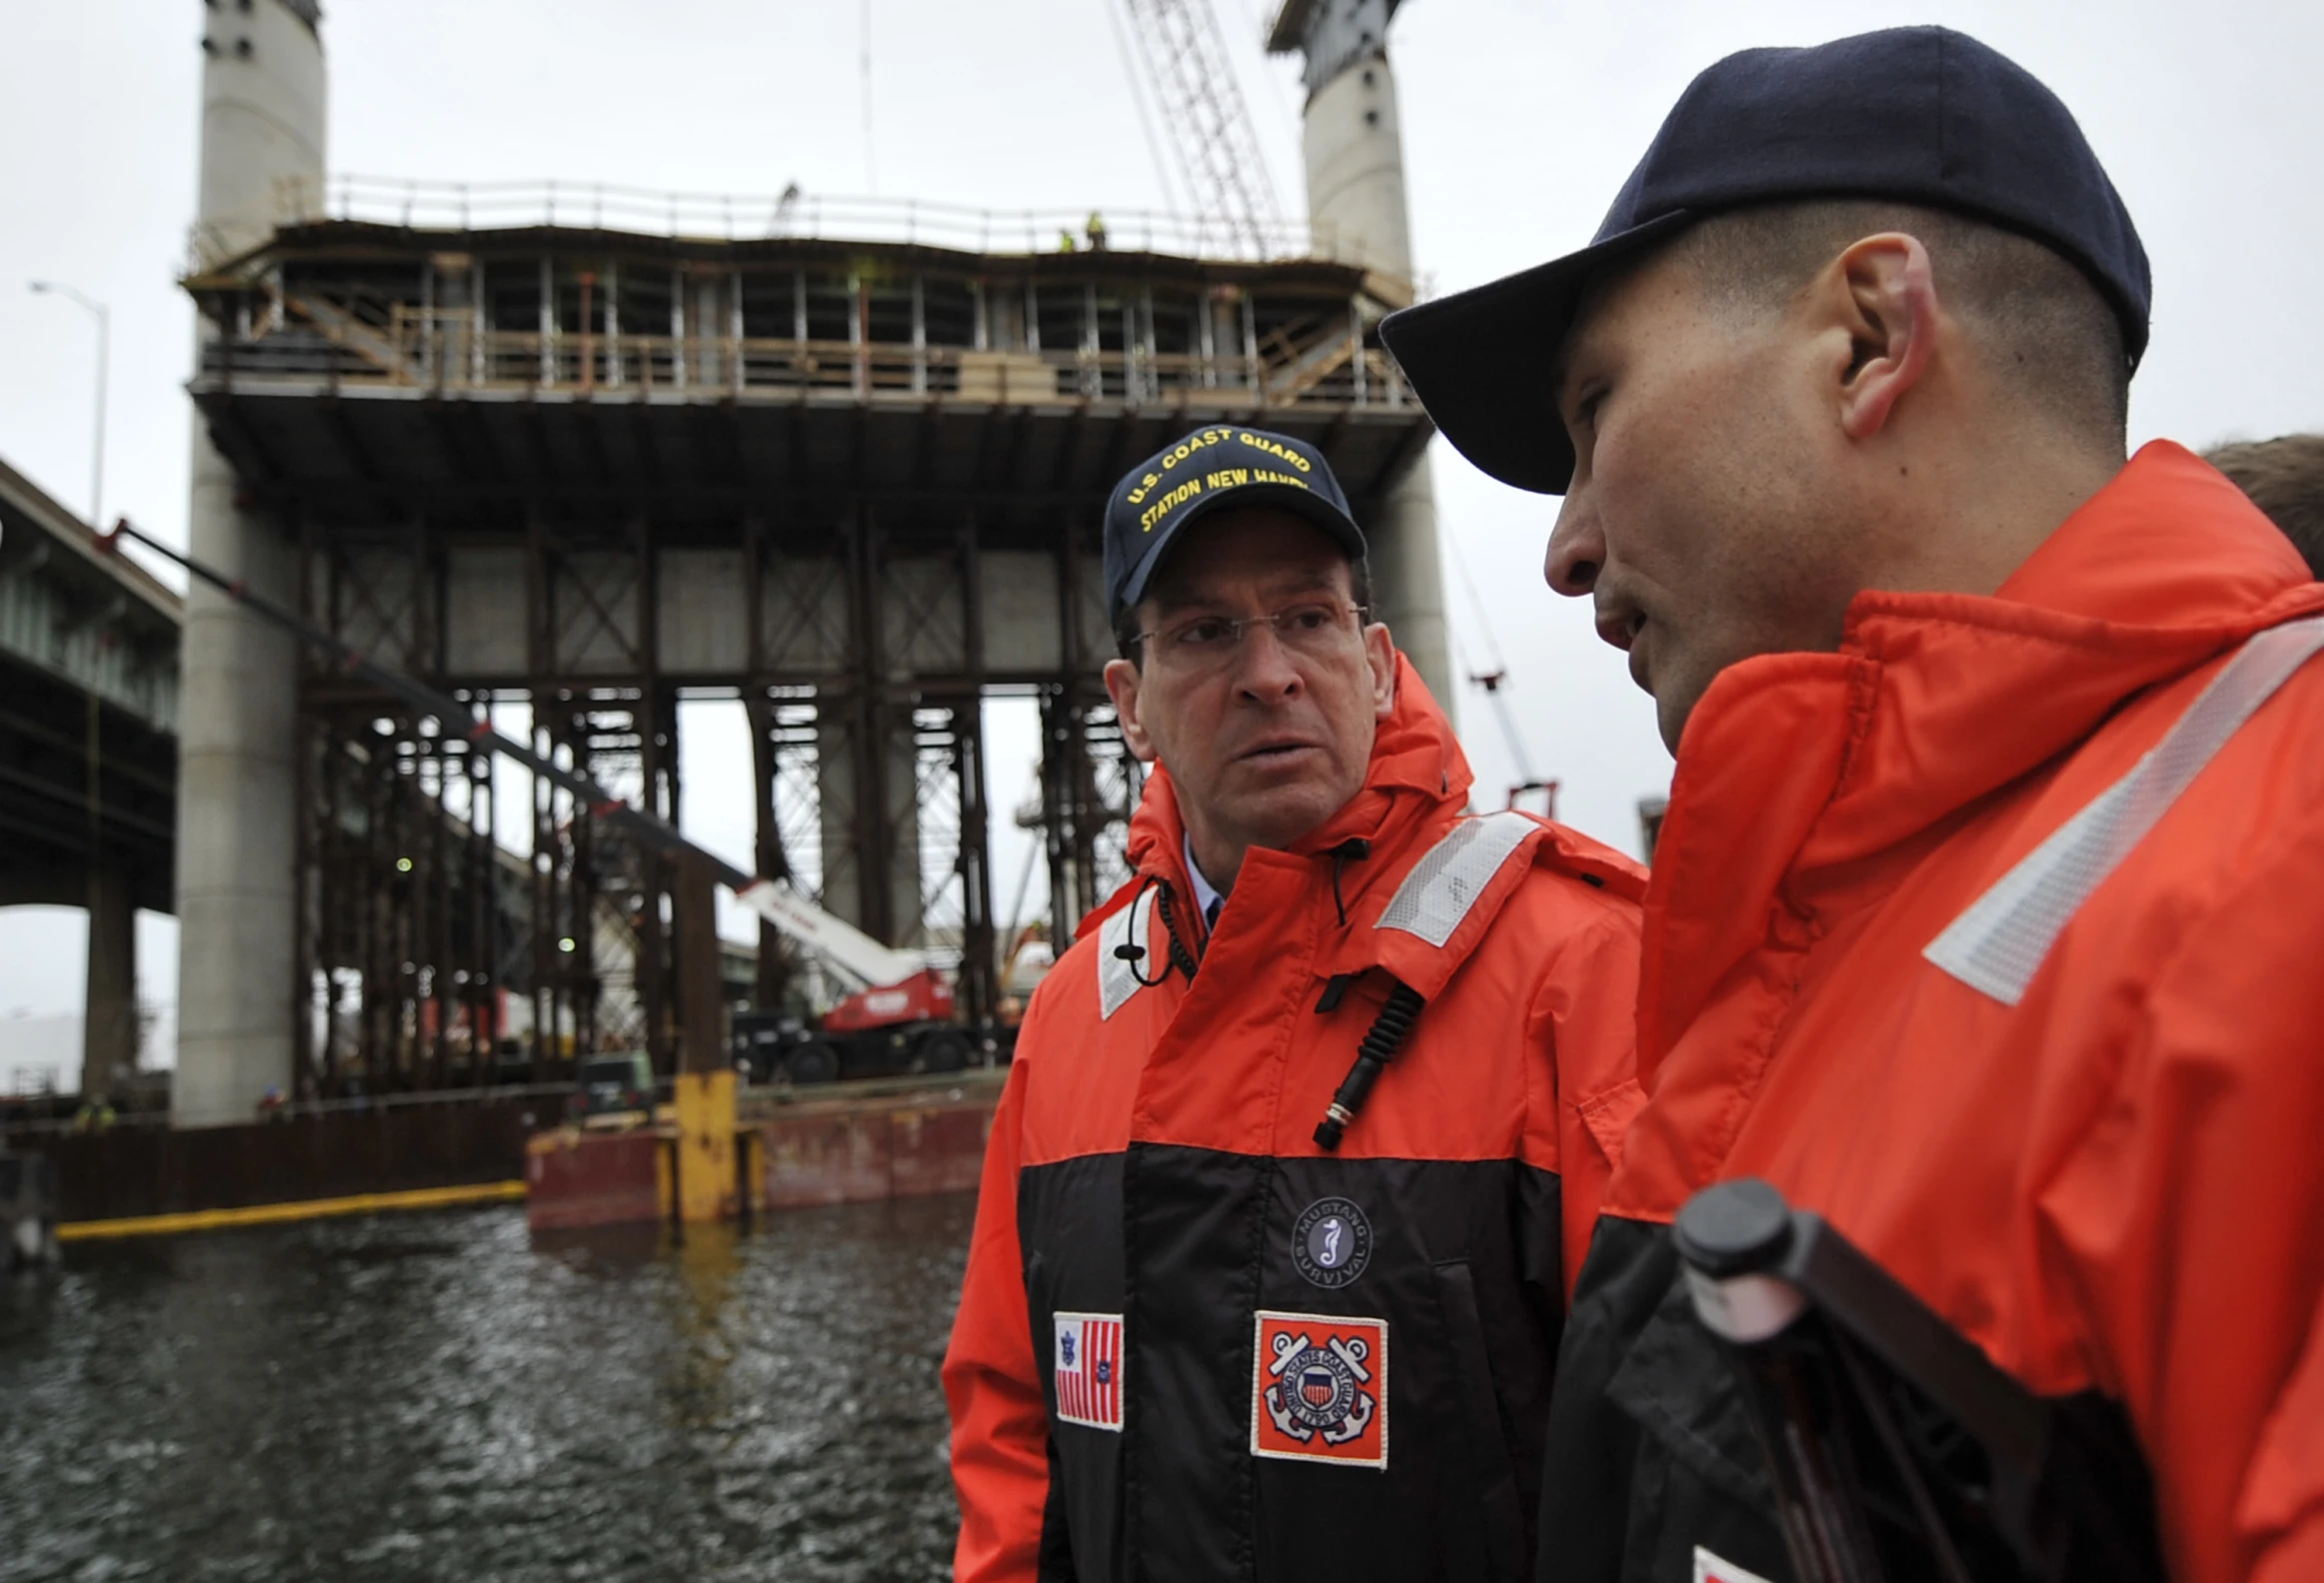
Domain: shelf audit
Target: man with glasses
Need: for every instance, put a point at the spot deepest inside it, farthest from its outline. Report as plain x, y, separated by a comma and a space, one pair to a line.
1291, 1175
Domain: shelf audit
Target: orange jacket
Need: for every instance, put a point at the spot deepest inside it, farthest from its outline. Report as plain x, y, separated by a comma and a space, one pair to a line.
1186, 1332
2115, 1186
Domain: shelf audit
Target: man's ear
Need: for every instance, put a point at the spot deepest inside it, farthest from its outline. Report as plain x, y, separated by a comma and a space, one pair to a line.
1123, 683
1379, 654
1886, 295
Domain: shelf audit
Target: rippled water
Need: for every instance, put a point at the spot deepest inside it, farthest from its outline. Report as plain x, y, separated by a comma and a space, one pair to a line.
442, 1396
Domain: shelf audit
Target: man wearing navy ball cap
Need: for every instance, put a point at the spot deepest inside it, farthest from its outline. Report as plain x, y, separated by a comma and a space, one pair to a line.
1985, 913
1231, 1310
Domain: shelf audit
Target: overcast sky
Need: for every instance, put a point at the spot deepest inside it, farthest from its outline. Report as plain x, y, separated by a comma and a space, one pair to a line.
1520, 121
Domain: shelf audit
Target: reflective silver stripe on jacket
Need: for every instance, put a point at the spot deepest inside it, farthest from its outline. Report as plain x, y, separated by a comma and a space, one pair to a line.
1445, 884
1118, 980
2000, 943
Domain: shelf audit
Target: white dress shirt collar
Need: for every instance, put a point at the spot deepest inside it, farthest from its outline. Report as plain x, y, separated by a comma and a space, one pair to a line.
1206, 895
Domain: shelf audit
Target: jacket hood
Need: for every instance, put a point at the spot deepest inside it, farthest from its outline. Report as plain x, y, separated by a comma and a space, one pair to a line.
1816, 776
1417, 772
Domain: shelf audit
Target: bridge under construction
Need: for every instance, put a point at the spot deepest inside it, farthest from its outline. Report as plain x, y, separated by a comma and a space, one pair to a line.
572, 453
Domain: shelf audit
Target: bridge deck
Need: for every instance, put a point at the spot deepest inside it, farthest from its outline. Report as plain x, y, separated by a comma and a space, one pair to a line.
88, 709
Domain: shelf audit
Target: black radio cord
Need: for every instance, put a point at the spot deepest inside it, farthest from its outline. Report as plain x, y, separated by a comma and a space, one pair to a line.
1372, 1057
1176, 955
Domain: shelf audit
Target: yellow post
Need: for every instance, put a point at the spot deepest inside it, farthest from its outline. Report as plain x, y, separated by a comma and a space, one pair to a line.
705, 1077
705, 1147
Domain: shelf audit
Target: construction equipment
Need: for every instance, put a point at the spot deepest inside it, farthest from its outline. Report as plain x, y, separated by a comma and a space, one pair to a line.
897, 990
1897, 1451
1492, 682
1527, 780
909, 1027
1202, 105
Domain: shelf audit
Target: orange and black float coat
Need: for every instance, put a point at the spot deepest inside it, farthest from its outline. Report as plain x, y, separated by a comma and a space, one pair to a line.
2077, 1108
1192, 1343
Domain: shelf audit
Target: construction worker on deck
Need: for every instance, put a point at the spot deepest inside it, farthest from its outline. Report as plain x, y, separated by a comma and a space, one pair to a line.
1986, 916
1227, 1313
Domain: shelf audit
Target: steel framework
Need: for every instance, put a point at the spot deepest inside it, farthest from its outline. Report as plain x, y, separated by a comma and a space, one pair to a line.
1202, 104
583, 476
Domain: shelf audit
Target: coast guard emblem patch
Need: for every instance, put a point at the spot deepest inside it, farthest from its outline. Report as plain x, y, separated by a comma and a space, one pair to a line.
1088, 1370
1320, 1390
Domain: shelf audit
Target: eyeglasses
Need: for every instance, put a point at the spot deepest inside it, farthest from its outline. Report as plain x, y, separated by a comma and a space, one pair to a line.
1311, 629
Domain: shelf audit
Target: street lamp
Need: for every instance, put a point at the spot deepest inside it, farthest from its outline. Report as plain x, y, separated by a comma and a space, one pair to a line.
104, 342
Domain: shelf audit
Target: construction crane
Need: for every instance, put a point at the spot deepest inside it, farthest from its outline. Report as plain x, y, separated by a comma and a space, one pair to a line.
1202, 101
1493, 681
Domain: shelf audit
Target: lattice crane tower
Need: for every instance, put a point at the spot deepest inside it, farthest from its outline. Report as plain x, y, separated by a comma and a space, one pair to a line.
1202, 102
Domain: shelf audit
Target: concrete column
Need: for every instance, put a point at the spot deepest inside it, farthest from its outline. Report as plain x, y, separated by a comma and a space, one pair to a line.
1408, 578
109, 1014
263, 97
1356, 169
871, 834
262, 156
1355, 150
236, 813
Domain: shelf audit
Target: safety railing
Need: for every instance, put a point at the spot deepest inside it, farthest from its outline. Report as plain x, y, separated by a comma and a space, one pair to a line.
442, 349
602, 206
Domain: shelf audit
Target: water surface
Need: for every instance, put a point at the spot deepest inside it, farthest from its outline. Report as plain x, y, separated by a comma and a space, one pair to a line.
442, 1396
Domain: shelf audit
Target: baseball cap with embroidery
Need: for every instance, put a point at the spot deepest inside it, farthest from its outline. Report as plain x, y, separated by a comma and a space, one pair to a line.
1217, 467
1921, 115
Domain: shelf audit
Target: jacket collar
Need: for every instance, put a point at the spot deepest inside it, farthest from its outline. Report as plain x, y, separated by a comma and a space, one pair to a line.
1817, 778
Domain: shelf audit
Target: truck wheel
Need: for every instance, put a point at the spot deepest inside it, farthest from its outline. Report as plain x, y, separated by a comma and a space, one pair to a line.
944, 1051
814, 1062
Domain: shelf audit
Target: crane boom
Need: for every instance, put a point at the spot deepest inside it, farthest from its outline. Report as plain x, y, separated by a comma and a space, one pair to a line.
1491, 681
836, 941
1202, 102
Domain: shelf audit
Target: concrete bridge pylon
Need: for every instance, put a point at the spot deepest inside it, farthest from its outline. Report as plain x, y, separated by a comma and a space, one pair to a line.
1353, 139
263, 93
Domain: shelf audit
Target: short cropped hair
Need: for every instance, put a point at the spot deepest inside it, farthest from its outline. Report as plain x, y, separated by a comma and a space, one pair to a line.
2035, 316
1126, 627
2285, 478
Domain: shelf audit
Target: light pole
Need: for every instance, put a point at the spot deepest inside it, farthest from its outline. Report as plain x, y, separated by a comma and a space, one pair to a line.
104, 346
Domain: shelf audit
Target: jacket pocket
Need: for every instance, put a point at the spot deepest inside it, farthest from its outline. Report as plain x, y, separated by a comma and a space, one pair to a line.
1494, 1545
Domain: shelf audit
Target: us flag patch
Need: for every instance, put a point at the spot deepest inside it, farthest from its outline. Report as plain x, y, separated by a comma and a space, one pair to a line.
1088, 1370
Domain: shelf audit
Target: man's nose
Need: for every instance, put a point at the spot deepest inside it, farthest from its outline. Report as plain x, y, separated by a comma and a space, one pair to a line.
1577, 549
1263, 667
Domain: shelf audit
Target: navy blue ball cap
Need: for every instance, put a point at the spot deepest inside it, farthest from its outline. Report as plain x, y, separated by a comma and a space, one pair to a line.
1217, 467
1918, 115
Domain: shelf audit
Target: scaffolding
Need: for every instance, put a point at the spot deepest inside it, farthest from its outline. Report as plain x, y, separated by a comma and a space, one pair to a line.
854, 484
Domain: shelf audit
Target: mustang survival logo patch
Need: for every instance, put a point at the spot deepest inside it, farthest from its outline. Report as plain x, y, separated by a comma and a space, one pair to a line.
1320, 1390
1088, 1377
1332, 1242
